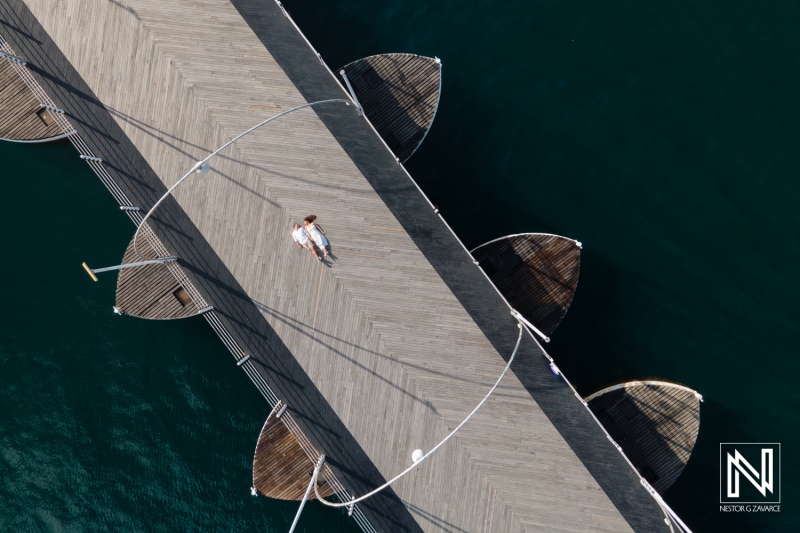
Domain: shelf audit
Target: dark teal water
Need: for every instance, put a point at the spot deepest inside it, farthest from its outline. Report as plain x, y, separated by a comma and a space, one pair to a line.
663, 135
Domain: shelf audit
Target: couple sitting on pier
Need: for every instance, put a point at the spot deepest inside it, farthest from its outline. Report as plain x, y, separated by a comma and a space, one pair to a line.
311, 233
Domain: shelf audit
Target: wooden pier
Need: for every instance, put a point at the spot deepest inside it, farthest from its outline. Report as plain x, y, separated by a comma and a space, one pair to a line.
377, 352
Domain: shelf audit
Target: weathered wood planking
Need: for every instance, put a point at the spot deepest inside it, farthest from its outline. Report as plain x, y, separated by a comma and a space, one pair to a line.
655, 422
20, 111
400, 94
537, 273
379, 352
281, 468
151, 291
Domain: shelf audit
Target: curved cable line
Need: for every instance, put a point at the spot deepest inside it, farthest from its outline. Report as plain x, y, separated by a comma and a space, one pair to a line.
199, 164
354, 501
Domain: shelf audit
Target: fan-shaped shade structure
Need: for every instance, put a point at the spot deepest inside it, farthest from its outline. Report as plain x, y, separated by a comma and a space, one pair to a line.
655, 422
536, 273
151, 291
399, 94
22, 117
281, 468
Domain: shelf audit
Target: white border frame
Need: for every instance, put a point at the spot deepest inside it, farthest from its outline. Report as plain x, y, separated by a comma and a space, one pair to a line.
780, 473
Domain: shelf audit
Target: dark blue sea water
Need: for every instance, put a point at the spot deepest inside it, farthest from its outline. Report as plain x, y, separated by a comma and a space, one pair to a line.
663, 135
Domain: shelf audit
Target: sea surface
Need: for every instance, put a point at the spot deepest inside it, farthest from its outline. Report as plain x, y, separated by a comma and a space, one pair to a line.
663, 135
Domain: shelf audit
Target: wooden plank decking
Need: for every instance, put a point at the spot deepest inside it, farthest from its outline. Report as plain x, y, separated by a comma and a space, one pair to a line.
537, 273
378, 352
281, 468
655, 422
22, 117
400, 94
151, 291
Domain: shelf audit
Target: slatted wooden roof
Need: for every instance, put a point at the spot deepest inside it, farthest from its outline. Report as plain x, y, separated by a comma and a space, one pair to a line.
399, 94
536, 273
281, 468
655, 422
22, 117
151, 291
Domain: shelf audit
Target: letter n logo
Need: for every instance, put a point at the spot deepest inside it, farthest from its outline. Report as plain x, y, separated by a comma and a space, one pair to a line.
750, 472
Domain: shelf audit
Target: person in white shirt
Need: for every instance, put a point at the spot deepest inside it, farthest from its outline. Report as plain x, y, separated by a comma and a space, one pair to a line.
302, 241
317, 234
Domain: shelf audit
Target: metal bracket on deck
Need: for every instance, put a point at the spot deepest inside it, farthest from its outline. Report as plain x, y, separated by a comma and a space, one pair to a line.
205, 310
283, 408
353, 95
516, 314
243, 360
129, 208
91, 158
617, 446
13, 58
53, 109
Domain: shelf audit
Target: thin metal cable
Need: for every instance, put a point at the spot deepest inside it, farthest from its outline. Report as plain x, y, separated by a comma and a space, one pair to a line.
428, 454
199, 164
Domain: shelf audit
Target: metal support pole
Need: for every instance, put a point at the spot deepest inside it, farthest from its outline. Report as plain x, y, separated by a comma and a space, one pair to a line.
522, 319
93, 271
352, 93
308, 491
